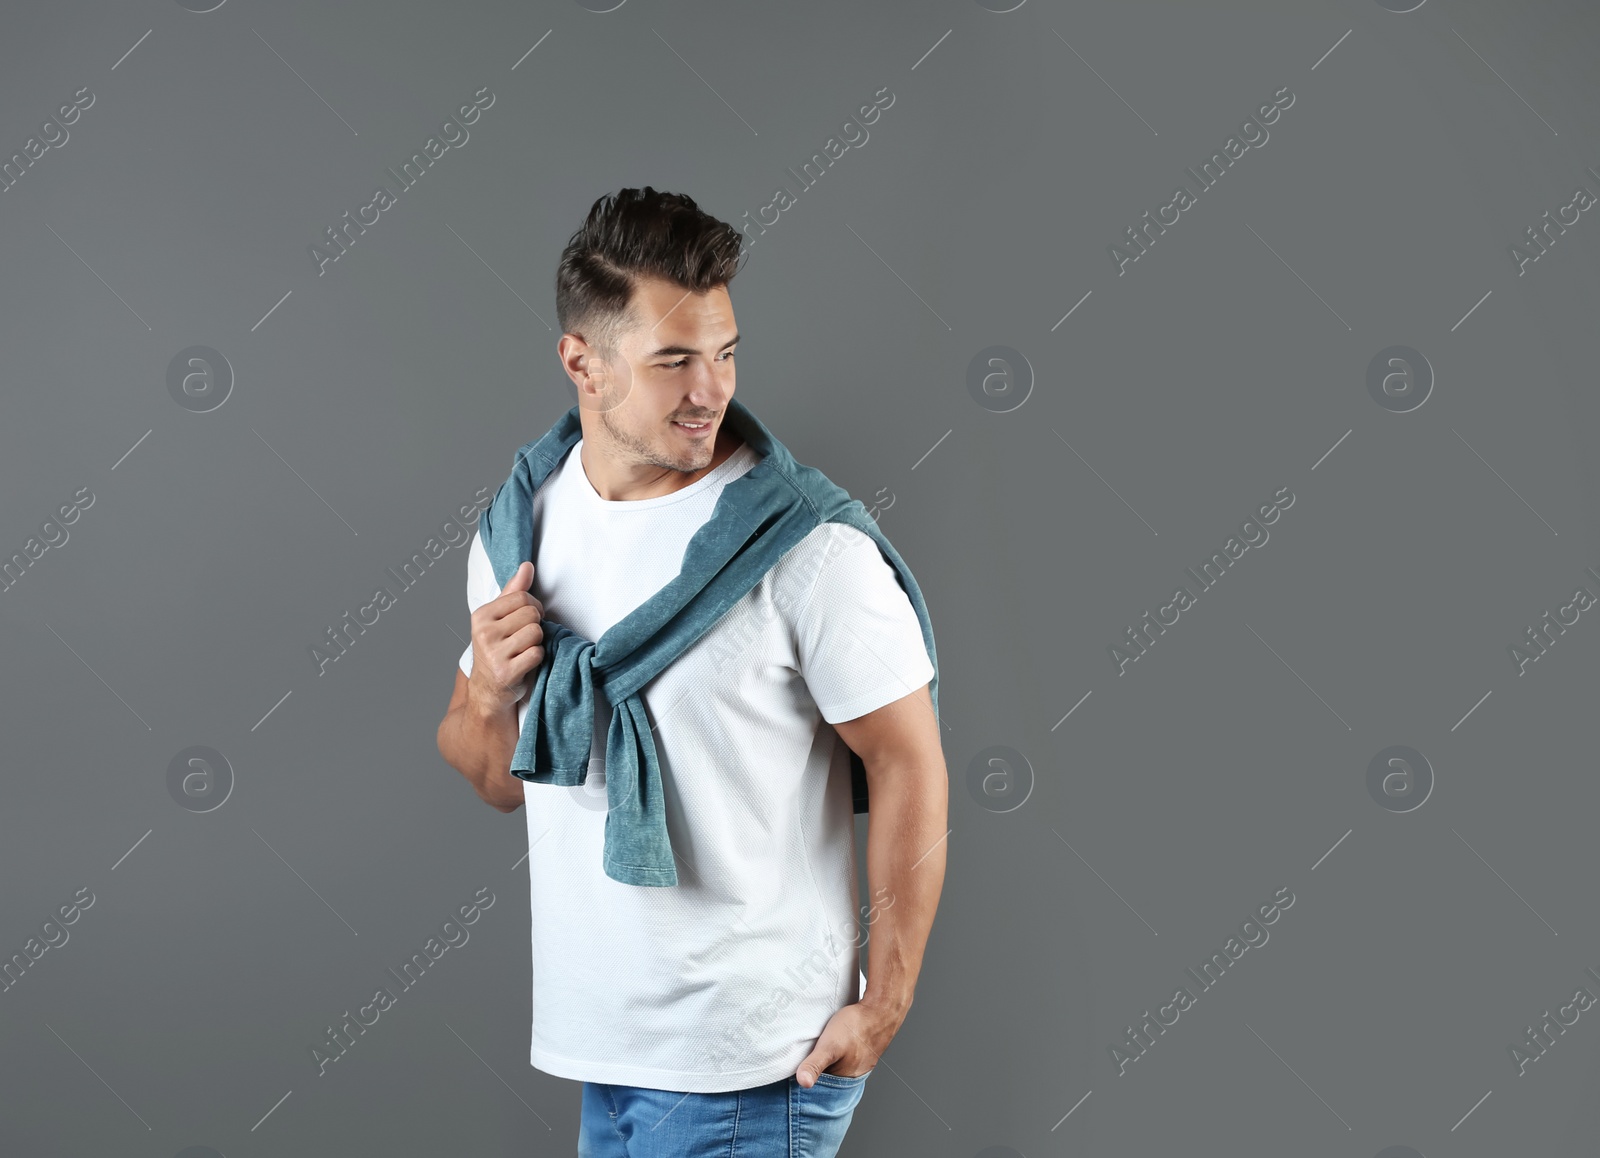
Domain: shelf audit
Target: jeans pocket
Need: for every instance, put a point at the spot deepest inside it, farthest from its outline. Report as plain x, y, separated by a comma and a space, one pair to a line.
822, 1113
842, 1080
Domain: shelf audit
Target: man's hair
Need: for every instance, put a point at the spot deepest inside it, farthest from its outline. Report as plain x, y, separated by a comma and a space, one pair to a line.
633, 233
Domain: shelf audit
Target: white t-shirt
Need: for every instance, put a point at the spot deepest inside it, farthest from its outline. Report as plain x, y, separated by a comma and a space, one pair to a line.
726, 980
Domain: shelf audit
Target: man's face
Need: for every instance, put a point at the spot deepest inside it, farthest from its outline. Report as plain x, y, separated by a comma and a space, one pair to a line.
674, 366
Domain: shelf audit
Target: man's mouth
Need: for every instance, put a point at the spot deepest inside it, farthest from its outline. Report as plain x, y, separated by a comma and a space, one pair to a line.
694, 427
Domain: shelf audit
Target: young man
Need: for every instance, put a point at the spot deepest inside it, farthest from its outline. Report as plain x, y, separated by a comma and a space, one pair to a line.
728, 1002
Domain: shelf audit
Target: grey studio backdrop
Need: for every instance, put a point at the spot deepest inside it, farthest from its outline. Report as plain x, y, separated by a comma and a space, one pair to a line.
1341, 394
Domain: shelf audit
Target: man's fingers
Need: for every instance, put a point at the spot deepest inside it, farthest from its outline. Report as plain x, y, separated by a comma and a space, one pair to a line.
820, 1059
518, 588
521, 579
511, 634
526, 644
508, 630
516, 619
524, 654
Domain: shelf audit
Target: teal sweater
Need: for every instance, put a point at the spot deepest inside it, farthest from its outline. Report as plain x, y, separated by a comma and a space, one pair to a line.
759, 516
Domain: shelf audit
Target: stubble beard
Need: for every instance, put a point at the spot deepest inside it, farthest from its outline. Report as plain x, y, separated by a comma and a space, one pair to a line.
642, 452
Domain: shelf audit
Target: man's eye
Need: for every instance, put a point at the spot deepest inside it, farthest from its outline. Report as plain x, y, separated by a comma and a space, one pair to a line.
682, 361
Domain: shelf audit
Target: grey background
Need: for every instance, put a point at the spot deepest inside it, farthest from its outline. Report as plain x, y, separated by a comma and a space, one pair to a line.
1231, 360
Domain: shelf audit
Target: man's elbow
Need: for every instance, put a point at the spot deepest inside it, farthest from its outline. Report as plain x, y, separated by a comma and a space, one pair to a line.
503, 800
508, 800
501, 791
504, 805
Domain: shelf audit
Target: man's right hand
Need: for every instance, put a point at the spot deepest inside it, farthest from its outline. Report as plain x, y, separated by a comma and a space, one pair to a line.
507, 644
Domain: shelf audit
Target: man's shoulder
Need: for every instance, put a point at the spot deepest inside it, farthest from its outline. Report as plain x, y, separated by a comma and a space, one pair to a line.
844, 548
825, 540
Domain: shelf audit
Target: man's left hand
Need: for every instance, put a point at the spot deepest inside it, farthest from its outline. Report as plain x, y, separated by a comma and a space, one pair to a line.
850, 1044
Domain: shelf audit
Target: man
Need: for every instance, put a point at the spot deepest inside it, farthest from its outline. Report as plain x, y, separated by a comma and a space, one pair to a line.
729, 1001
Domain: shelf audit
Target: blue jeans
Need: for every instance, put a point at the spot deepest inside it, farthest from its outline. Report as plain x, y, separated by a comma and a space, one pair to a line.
782, 1119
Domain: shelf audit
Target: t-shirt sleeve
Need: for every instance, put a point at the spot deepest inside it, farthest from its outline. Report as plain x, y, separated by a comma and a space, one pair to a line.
481, 587
857, 637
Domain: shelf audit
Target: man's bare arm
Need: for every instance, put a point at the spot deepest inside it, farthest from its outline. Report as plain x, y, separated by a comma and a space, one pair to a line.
910, 802
909, 790
478, 734
478, 744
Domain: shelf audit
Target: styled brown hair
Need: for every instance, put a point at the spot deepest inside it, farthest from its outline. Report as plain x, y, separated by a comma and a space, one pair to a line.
630, 233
